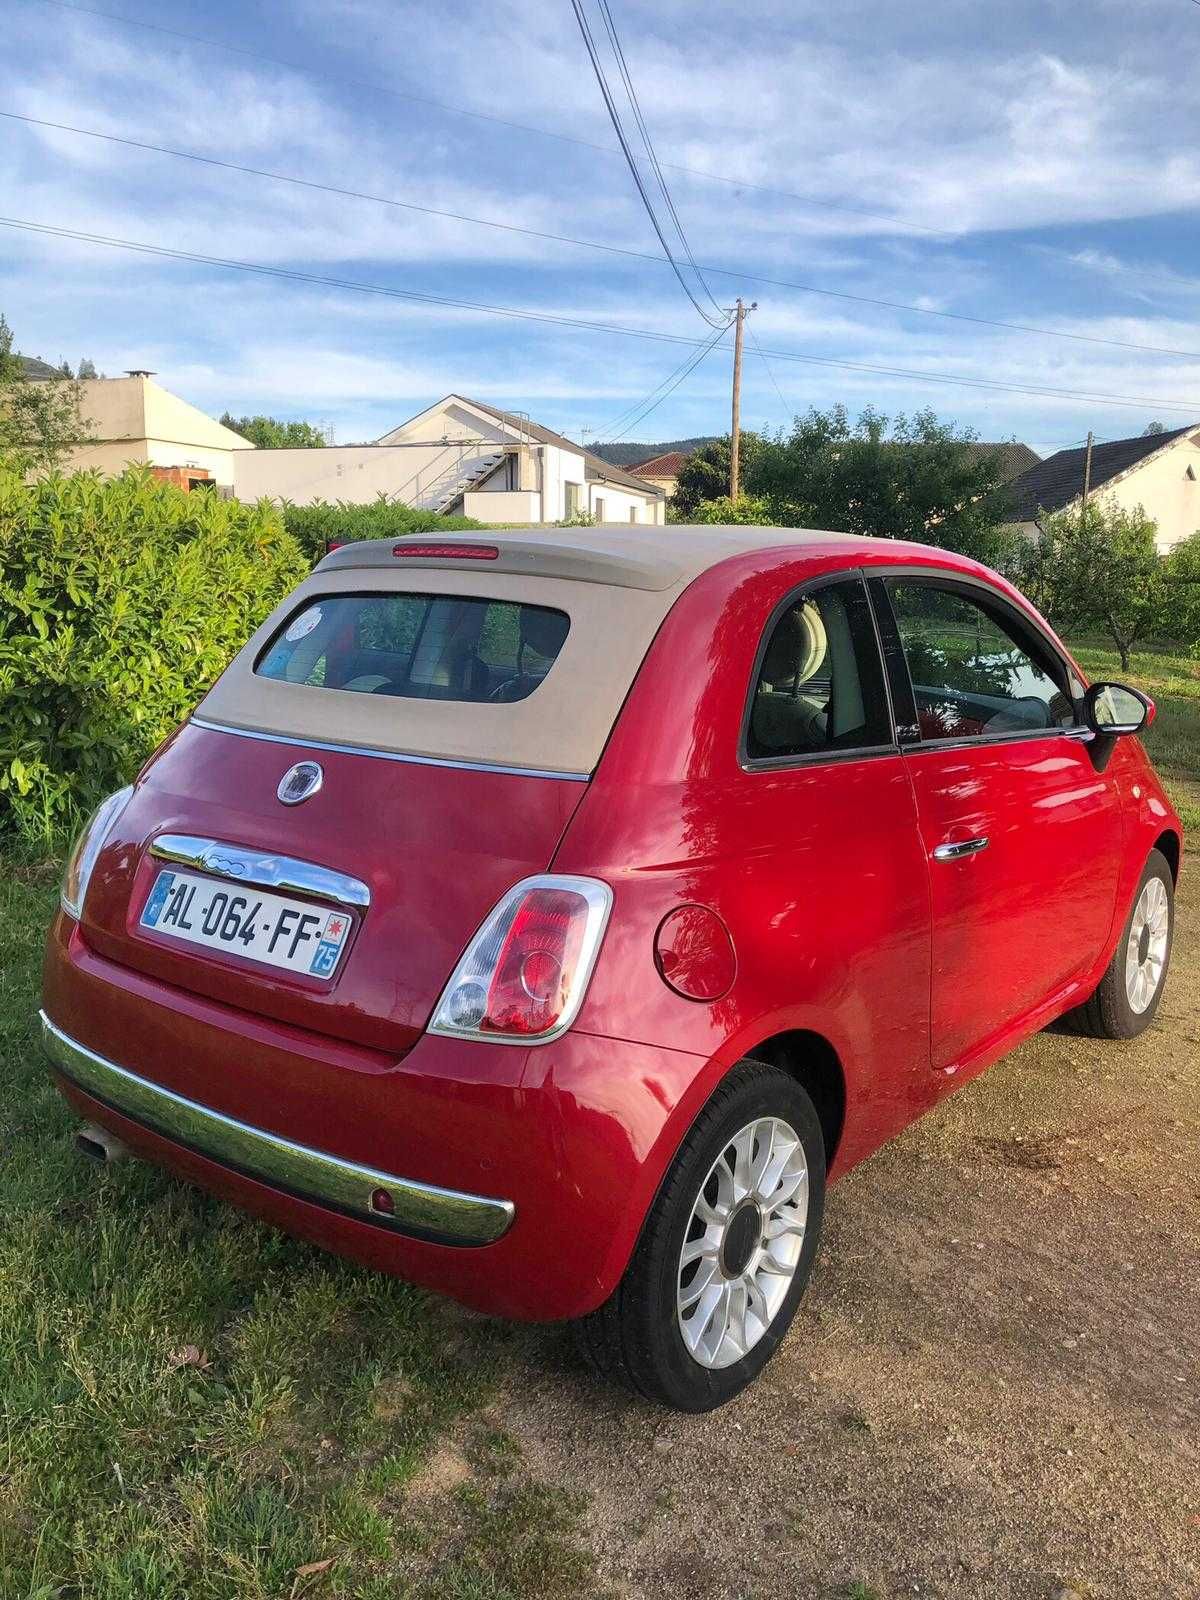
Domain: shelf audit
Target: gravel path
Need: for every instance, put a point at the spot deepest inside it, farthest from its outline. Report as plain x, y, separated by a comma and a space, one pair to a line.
993, 1386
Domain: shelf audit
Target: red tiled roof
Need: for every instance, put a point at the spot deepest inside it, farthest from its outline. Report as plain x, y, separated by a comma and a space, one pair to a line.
667, 466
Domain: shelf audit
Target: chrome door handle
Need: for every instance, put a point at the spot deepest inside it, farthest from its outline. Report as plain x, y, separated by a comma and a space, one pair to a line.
960, 848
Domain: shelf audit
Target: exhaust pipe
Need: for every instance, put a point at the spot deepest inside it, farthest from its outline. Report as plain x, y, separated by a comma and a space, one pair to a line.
96, 1142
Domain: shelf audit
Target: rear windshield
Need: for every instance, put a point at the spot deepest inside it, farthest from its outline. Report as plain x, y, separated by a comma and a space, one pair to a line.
418, 646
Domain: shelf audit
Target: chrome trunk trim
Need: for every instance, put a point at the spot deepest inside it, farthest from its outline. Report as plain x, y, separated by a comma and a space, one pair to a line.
257, 866
443, 1216
388, 755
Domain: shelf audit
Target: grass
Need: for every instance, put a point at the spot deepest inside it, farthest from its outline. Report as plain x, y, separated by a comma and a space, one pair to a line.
1174, 740
193, 1407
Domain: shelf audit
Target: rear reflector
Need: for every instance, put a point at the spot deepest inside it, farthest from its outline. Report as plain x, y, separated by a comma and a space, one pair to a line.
525, 973
447, 552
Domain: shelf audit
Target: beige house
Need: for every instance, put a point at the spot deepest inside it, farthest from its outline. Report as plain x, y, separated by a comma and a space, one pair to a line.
662, 471
1160, 472
133, 419
463, 457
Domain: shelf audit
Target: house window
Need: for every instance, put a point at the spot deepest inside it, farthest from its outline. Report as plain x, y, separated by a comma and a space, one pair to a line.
1191, 472
573, 498
633, 516
599, 508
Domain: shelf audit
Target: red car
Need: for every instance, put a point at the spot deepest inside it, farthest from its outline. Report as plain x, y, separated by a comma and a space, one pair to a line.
548, 919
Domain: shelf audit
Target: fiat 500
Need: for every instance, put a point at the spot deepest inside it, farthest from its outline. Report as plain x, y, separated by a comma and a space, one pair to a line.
548, 920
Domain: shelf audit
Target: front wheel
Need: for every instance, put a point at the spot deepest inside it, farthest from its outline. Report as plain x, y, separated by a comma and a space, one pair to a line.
1129, 993
725, 1252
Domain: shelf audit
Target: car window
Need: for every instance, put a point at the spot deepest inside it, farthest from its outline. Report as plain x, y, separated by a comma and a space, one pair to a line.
820, 684
418, 646
975, 672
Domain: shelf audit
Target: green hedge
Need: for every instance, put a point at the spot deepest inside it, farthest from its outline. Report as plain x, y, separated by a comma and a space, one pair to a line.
121, 600
313, 526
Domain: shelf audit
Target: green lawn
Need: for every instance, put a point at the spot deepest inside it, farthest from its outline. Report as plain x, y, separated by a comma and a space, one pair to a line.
1174, 740
193, 1407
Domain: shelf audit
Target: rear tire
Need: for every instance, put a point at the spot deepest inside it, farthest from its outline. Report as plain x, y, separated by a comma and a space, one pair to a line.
744, 1198
1128, 996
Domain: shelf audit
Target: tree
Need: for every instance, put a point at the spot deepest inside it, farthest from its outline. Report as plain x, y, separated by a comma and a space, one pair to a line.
1100, 568
87, 368
268, 433
705, 473
912, 478
1153, 428
1182, 620
40, 420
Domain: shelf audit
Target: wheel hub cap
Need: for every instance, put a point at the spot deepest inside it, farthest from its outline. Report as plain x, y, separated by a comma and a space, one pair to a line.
742, 1237
743, 1242
1146, 948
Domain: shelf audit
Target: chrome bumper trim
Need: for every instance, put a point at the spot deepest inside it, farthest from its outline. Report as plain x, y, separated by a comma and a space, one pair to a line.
443, 1216
257, 866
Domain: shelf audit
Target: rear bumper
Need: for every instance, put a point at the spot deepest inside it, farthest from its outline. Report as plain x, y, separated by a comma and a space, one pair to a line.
568, 1140
424, 1211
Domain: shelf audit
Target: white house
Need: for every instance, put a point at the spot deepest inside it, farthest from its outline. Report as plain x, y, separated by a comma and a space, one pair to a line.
1158, 471
460, 456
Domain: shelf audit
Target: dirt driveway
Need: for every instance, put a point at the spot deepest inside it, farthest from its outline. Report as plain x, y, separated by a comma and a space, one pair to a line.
993, 1386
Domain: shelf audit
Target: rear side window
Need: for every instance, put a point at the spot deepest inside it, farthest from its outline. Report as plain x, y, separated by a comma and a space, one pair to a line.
976, 672
418, 646
820, 685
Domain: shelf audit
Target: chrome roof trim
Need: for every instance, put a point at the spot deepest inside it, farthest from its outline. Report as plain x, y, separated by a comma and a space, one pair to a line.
390, 755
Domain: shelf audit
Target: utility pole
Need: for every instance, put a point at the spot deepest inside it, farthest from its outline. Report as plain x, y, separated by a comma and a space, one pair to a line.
1087, 481
735, 432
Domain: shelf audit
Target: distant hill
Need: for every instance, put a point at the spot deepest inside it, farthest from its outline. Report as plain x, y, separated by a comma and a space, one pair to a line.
628, 455
31, 367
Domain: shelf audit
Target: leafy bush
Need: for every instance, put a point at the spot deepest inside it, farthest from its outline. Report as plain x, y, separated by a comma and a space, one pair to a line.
313, 526
745, 509
121, 600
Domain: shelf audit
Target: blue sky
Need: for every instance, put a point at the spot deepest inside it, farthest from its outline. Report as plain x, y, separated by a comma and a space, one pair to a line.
1037, 163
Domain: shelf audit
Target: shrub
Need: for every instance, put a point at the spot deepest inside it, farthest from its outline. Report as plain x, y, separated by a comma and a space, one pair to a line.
121, 600
745, 509
313, 526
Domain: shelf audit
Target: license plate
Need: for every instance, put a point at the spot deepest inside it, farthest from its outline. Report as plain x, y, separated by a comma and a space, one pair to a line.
246, 922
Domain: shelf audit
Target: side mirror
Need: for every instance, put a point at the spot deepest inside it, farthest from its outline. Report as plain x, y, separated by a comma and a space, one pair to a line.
1110, 709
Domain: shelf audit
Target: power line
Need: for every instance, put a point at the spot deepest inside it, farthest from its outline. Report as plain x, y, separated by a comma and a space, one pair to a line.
636, 414
739, 274
484, 116
1191, 407
618, 128
767, 364
648, 145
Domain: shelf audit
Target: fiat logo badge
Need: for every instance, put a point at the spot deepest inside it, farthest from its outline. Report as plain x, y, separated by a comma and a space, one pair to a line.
300, 782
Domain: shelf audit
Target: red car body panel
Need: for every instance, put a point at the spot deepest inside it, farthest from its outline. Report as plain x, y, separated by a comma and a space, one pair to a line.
913, 976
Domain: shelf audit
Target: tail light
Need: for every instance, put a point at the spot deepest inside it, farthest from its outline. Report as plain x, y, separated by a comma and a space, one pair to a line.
85, 850
443, 552
525, 973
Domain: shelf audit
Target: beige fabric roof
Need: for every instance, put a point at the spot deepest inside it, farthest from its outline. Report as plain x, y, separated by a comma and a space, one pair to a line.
616, 584
629, 555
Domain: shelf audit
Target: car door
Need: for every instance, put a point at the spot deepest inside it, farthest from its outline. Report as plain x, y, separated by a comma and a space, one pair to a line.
835, 922
1021, 833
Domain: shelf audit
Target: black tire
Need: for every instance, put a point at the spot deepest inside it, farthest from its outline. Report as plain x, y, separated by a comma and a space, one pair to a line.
1109, 1014
634, 1338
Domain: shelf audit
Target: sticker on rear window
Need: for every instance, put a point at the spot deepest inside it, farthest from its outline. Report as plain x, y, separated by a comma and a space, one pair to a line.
304, 624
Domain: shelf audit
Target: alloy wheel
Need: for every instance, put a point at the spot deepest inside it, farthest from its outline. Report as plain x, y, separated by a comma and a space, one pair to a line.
1146, 948
743, 1242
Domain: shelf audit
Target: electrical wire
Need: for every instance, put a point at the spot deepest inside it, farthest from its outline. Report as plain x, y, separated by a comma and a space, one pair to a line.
618, 128
651, 155
619, 427
484, 116
1191, 407
767, 365
740, 274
